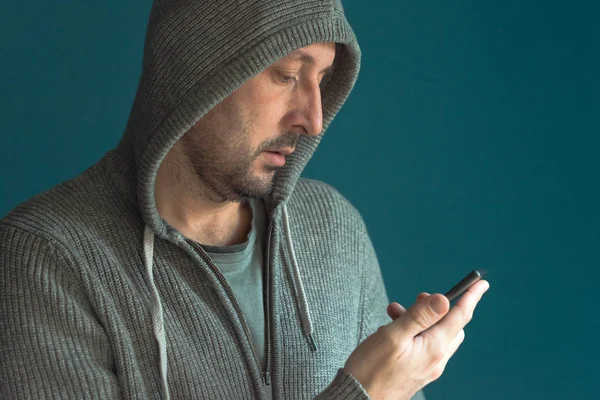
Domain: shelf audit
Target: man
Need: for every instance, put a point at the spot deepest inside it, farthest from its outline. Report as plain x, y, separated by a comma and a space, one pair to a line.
192, 261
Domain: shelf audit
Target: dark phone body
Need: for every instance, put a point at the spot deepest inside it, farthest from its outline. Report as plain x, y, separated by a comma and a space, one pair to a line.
465, 283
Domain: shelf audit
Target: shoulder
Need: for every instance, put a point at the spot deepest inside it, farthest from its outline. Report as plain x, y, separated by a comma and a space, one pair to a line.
75, 215
321, 203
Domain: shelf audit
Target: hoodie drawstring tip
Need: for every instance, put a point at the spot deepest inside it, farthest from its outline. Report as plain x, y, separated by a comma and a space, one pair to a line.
313, 344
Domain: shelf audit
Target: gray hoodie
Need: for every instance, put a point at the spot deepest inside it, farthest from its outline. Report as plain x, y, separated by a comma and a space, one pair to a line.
101, 298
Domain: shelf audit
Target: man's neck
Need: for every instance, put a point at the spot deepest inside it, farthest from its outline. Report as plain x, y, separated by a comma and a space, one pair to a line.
198, 219
236, 231
226, 227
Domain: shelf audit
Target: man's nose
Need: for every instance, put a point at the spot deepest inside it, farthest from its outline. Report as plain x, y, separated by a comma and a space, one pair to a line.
312, 109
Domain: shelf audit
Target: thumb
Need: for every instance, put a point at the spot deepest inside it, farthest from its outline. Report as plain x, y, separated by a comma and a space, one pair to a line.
423, 314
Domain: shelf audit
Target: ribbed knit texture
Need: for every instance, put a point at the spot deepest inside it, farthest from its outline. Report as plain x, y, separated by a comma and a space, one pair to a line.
198, 52
75, 295
75, 304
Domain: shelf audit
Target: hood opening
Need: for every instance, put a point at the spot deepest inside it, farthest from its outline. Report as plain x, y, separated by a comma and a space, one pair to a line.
195, 55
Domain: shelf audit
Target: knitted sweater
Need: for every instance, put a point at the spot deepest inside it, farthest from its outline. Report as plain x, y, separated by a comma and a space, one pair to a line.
101, 298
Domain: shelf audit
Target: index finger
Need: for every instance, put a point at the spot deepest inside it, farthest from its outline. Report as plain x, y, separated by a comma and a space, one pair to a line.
460, 314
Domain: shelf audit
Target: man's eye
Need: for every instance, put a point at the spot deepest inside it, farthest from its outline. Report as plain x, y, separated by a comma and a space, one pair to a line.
287, 78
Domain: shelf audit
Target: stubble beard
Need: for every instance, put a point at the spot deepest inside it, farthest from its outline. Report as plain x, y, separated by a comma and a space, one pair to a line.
220, 163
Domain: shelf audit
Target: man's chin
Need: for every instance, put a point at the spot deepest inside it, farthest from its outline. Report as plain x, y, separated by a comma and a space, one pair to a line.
257, 187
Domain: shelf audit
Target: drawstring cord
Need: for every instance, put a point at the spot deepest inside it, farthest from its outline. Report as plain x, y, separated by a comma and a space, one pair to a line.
157, 311
301, 296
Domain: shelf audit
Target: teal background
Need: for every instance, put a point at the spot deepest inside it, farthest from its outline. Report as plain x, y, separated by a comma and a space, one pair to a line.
470, 140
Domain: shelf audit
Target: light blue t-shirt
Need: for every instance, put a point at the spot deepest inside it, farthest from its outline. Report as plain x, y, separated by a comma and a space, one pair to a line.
242, 266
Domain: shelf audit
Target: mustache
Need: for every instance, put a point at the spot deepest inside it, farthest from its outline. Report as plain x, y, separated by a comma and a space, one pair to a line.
287, 140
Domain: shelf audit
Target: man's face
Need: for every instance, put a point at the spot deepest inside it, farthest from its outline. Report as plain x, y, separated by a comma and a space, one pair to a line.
228, 148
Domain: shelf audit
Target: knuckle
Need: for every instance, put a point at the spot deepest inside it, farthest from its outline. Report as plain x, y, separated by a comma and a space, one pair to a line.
461, 336
386, 338
437, 348
467, 316
437, 355
421, 318
383, 334
437, 372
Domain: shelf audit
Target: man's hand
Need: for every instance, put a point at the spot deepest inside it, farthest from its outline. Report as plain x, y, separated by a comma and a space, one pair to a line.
411, 351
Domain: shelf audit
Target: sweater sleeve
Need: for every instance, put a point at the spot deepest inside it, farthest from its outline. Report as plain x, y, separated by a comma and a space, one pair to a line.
52, 344
374, 300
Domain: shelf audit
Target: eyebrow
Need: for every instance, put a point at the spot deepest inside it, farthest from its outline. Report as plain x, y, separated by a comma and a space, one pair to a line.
300, 55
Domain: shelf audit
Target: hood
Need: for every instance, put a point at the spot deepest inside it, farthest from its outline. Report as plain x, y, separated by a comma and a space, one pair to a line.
198, 52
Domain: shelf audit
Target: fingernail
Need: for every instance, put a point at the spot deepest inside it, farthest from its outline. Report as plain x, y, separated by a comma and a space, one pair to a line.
437, 304
487, 284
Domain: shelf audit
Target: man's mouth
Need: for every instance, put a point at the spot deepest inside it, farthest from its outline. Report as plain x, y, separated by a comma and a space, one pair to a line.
275, 158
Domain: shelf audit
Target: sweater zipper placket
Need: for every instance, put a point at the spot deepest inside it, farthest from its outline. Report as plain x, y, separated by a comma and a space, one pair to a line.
267, 291
266, 375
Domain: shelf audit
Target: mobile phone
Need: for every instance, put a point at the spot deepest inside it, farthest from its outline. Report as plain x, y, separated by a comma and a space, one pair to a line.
464, 284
